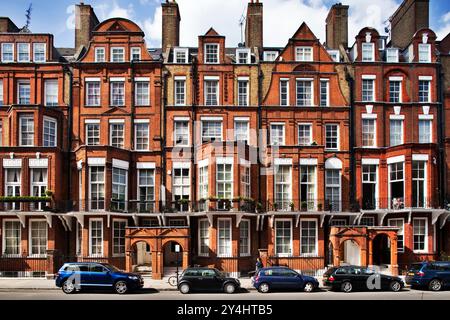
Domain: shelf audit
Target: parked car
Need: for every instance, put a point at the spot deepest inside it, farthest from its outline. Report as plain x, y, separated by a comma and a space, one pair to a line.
352, 278
72, 277
283, 278
432, 275
207, 280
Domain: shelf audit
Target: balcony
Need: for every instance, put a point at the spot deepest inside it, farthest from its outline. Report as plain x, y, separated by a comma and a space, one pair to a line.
397, 203
310, 205
28, 203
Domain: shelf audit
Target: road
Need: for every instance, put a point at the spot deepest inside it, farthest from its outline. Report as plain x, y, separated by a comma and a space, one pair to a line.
149, 294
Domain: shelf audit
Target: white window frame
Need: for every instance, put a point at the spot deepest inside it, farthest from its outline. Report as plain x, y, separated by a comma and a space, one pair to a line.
177, 85
42, 187
217, 92
363, 181
374, 121
184, 51
269, 53
400, 91
135, 51
88, 83
284, 81
429, 91
229, 242
245, 101
35, 50
216, 55
289, 189
245, 51
112, 54
283, 134
339, 208
225, 181
208, 244
114, 247
310, 133
97, 53
125, 200
46, 95
310, 202
98, 183
316, 242
30, 238
249, 239
424, 181
91, 254
392, 58
136, 125
176, 122
327, 87
143, 98
111, 124
430, 133
209, 137
420, 57
149, 188
278, 254
301, 53
4, 238
402, 130
247, 139
27, 117
27, 45
19, 84
87, 124
425, 244
364, 57
297, 94
79, 239
373, 89
55, 140
183, 186
13, 184
338, 140
390, 198
3, 50
203, 181
2, 101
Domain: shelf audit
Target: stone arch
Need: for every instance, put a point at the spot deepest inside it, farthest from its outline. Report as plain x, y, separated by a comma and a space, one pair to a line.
141, 256
350, 252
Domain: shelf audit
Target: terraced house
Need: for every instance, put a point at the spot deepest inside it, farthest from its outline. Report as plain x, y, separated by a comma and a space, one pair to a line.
308, 155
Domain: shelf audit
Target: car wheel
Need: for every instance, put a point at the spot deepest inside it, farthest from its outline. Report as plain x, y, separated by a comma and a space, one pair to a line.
68, 287
184, 288
435, 285
121, 287
309, 287
346, 286
264, 287
230, 288
395, 286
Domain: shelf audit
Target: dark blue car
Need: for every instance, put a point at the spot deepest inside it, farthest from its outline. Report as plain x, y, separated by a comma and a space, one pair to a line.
73, 277
283, 278
432, 275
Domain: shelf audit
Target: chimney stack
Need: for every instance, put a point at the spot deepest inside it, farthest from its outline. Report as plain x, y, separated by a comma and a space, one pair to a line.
254, 25
85, 22
170, 25
410, 17
6, 25
337, 27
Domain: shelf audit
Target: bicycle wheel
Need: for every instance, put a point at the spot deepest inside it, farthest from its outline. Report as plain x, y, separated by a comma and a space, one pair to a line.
172, 281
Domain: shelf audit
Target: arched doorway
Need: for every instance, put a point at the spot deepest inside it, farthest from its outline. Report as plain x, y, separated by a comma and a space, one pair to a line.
171, 258
142, 257
381, 252
350, 252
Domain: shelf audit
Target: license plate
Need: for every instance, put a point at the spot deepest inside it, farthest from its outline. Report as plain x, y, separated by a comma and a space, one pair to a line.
410, 273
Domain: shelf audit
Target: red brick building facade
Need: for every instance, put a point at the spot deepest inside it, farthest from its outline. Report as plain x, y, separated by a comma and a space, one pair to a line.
308, 155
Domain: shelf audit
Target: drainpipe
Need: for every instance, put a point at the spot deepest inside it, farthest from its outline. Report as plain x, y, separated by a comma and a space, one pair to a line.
352, 140
194, 77
441, 163
68, 151
258, 133
165, 74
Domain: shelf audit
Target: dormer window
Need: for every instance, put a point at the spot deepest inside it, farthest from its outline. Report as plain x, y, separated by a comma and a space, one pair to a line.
180, 55
270, 55
135, 54
100, 55
368, 52
39, 52
392, 55
424, 52
243, 56
117, 54
334, 55
211, 53
303, 54
23, 52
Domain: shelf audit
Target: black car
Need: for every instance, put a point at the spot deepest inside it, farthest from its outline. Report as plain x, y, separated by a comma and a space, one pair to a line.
350, 278
206, 280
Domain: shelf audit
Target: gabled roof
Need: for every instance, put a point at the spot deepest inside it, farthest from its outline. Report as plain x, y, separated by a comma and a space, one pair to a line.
212, 33
304, 33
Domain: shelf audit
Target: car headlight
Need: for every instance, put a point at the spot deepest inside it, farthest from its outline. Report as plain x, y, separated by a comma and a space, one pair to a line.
133, 277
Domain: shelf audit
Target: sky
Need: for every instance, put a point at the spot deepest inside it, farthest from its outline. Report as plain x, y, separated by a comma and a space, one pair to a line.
281, 17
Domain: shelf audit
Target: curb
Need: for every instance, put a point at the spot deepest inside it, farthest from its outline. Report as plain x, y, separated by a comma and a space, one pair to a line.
56, 289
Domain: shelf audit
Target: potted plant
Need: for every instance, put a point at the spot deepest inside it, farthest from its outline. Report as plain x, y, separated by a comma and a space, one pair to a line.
304, 206
314, 143
319, 207
292, 206
49, 193
275, 206
259, 207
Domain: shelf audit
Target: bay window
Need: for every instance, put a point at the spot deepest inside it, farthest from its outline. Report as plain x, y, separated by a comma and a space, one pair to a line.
308, 186
418, 184
396, 185
333, 189
181, 186
283, 186
26, 131
119, 189
49, 133
146, 189
96, 188
369, 186
211, 130
95, 237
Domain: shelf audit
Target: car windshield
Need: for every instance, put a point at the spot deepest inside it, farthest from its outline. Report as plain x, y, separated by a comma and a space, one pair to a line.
415, 267
220, 273
329, 271
111, 268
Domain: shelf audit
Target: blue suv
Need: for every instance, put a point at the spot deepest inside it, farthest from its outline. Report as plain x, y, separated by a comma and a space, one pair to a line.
72, 277
283, 278
434, 275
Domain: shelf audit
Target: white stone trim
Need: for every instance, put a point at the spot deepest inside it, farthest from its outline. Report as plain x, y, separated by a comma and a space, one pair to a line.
397, 117
117, 79
283, 161
395, 78
368, 116
120, 164
333, 163
209, 118
425, 77
142, 79
395, 159
12, 163
96, 161
224, 160
247, 78
368, 77
308, 161
89, 121
420, 157
181, 165
141, 120
145, 165
181, 118
203, 163
211, 78
241, 119
370, 161
426, 117
179, 78
92, 79
116, 120
38, 163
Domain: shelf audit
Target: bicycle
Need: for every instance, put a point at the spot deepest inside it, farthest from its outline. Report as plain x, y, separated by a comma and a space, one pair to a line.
173, 281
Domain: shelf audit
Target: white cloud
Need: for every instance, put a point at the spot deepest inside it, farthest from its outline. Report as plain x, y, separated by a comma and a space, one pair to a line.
445, 26
112, 9
281, 19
